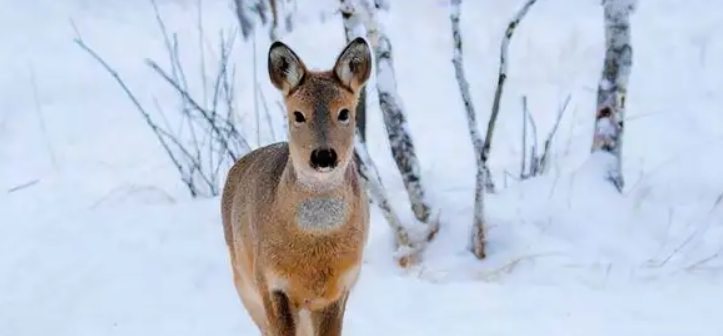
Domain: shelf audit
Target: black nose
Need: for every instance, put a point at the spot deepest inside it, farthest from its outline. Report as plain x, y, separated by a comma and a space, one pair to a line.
323, 158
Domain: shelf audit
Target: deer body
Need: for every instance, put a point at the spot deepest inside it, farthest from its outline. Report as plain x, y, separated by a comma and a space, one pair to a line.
295, 215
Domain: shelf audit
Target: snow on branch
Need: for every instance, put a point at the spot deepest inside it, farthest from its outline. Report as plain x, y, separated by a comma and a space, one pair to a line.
612, 88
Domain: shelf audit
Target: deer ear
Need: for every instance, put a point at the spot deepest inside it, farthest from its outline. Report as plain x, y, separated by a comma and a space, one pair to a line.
286, 70
354, 64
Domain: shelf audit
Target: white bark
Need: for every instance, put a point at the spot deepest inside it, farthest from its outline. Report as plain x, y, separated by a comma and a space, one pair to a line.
395, 120
354, 26
359, 19
478, 236
612, 88
400, 139
501, 78
375, 189
482, 148
355, 22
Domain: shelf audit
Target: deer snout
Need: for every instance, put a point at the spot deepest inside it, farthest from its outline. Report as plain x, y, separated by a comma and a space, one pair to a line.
323, 159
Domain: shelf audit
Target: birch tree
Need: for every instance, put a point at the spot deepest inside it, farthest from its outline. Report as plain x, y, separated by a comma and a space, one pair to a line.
481, 147
354, 26
478, 240
395, 121
359, 18
612, 88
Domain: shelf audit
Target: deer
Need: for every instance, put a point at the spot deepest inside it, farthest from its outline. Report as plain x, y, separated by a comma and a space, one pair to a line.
295, 213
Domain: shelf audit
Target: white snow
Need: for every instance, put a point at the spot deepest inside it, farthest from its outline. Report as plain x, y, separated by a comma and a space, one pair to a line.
104, 239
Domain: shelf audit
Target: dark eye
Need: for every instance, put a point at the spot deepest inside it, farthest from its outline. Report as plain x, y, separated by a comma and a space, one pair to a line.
298, 117
344, 115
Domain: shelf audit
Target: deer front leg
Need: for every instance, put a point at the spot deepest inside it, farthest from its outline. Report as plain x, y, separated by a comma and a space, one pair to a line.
329, 320
279, 314
278, 308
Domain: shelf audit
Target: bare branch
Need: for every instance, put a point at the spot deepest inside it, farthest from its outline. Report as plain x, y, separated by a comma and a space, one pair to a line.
538, 163
41, 119
548, 141
156, 130
523, 161
533, 169
23, 186
215, 140
204, 113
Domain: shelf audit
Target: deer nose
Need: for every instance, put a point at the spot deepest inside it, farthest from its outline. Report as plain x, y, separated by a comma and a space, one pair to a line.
323, 158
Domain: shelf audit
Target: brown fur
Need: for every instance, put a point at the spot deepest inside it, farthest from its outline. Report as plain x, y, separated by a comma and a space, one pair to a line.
283, 269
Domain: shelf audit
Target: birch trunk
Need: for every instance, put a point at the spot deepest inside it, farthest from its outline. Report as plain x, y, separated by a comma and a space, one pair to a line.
612, 89
395, 120
482, 147
355, 20
374, 186
478, 237
501, 79
353, 26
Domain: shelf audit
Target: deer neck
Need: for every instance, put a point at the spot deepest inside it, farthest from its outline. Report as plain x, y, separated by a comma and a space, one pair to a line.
318, 203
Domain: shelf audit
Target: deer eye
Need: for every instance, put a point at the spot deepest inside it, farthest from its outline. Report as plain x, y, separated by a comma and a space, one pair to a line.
299, 117
344, 116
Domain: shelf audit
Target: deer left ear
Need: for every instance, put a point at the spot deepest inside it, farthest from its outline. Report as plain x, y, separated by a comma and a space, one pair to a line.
354, 64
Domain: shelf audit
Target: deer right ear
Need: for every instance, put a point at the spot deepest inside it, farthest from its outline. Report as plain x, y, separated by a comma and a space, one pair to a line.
286, 70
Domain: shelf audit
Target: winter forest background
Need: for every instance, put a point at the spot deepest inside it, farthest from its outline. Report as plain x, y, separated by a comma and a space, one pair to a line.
535, 166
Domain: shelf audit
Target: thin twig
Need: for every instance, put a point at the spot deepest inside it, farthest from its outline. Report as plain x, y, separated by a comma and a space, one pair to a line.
41, 119
204, 113
267, 113
534, 162
523, 169
548, 141
256, 95
23, 186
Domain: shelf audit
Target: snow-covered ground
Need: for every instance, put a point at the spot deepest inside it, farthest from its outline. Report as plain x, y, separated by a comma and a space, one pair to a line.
106, 241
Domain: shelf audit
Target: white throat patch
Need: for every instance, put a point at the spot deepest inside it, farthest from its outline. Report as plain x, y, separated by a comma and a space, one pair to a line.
322, 213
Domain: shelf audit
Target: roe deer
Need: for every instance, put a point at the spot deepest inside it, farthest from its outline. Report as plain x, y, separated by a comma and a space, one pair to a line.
295, 215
